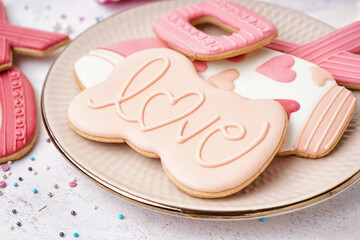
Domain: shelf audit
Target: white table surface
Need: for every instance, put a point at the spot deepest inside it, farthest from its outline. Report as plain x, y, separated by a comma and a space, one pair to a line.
336, 218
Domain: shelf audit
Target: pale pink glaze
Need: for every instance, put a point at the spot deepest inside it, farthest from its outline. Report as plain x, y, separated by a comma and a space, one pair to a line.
15, 36
279, 68
225, 79
209, 140
336, 52
175, 28
326, 121
289, 105
18, 125
320, 76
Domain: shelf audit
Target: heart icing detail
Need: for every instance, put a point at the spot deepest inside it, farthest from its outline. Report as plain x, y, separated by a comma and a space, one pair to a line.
172, 101
225, 79
279, 68
320, 76
289, 105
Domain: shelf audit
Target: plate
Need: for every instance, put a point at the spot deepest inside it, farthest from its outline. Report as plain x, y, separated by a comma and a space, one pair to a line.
288, 184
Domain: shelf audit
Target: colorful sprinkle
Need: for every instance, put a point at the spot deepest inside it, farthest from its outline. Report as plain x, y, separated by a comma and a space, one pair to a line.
40, 209
35, 190
262, 219
3, 184
94, 207
56, 186
76, 234
99, 18
26, 7
48, 140
47, 167
121, 217
14, 211
11, 227
61, 234
73, 213
20, 179
63, 16
48, 7
81, 19
55, 26
9, 173
50, 194
1, 193
19, 224
34, 172
66, 28
32, 158
5, 167
4, 176
9, 162
30, 169
15, 184
72, 184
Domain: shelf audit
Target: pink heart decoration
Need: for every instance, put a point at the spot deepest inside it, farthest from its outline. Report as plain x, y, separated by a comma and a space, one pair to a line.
279, 68
289, 105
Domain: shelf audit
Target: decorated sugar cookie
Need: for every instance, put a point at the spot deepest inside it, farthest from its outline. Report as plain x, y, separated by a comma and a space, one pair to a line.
249, 30
211, 142
17, 115
318, 109
337, 52
25, 41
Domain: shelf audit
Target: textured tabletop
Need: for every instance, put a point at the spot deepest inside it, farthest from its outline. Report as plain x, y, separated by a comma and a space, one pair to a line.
336, 218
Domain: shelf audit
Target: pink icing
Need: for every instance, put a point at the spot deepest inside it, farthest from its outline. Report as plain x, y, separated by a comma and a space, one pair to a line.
279, 68
335, 52
21, 37
225, 79
289, 105
326, 121
18, 125
200, 66
175, 28
237, 58
320, 76
129, 47
161, 105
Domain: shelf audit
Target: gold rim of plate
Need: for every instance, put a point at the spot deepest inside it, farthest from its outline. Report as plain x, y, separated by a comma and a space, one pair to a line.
200, 214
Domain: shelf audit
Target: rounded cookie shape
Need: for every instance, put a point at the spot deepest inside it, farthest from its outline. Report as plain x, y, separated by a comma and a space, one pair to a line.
211, 142
17, 115
249, 30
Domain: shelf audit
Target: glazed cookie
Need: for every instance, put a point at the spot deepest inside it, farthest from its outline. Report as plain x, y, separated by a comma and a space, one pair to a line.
249, 30
25, 41
17, 115
337, 52
211, 142
316, 123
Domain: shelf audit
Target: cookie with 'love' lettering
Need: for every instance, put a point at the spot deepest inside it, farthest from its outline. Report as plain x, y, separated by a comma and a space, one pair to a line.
211, 142
17, 115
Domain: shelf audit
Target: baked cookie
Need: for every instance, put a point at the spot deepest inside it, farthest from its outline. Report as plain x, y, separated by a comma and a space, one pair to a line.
249, 30
211, 142
17, 115
25, 41
318, 109
337, 52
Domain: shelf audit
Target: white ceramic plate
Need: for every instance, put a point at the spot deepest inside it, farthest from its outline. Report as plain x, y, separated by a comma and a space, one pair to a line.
288, 184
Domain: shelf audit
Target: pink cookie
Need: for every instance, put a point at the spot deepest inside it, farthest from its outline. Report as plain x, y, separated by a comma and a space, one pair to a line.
212, 143
25, 41
17, 115
249, 30
316, 123
337, 52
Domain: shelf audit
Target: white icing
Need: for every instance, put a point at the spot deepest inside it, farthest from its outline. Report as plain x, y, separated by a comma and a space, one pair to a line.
92, 70
95, 67
254, 85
